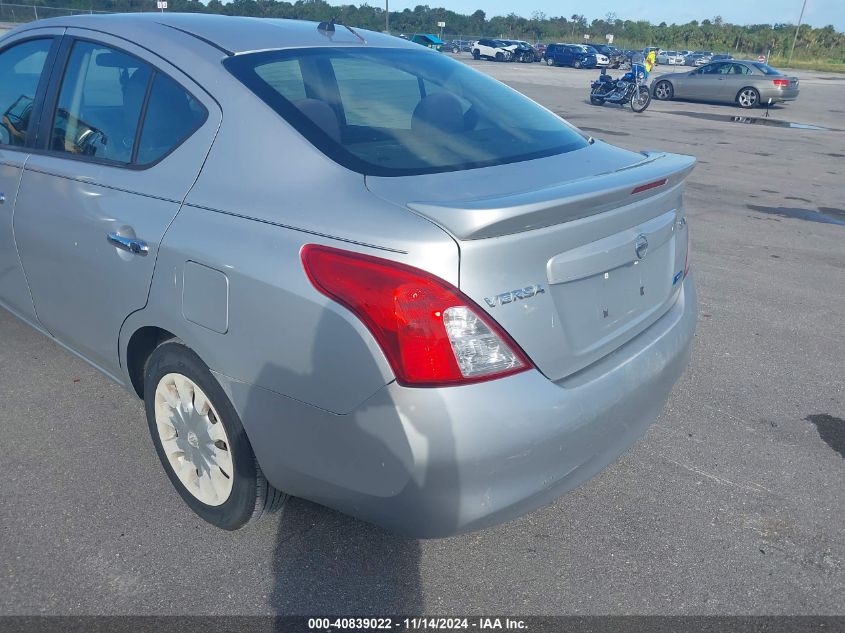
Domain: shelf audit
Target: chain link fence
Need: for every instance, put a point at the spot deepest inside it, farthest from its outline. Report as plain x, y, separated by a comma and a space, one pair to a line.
18, 13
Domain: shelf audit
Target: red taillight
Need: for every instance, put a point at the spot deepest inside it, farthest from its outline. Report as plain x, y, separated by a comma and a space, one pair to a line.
651, 185
780, 83
430, 332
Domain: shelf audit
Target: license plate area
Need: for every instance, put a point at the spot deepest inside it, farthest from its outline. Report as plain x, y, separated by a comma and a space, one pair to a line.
605, 290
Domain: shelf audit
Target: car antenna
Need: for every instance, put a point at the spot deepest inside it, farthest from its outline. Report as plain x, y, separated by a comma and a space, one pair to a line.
328, 27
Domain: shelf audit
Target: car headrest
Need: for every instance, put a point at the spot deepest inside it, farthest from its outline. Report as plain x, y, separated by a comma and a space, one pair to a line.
439, 111
322, 115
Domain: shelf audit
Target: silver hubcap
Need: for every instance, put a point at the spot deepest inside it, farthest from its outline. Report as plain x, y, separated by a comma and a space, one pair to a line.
193, 438
662, 91
748, 97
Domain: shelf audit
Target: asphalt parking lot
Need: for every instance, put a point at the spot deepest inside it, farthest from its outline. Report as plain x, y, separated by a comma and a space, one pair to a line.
732, 504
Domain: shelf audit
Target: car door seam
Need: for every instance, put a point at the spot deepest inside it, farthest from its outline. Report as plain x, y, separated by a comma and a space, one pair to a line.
15, 242
120, 357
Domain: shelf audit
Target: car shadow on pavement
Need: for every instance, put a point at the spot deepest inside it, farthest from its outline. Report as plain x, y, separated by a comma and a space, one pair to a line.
329, 563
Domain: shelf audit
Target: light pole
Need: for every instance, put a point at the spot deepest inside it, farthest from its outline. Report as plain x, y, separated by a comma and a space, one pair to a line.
798, 28
387, 16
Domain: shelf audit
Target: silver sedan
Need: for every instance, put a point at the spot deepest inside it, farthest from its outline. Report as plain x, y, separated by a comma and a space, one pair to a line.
338, 265
746, 83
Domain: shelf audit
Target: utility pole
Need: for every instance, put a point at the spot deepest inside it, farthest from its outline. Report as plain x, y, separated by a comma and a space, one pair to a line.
387, 16
798, 28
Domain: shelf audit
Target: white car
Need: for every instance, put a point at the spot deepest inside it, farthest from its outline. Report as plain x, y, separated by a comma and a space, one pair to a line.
601, 59
670, 58
492, 49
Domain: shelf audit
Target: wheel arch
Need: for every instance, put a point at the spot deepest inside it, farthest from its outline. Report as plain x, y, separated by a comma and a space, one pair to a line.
140, 345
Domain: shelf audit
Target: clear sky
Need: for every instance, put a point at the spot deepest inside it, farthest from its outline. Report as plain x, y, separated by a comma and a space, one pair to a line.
818, 12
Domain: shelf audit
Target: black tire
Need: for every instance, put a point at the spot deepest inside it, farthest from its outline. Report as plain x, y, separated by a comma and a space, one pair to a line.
663, 91
500, 57
550, 61
748, 98
252, 496
596, 100
643, 103
576, 64
476, 54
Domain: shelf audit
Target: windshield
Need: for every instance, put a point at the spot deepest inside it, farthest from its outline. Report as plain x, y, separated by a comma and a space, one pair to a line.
395, 112
768, 70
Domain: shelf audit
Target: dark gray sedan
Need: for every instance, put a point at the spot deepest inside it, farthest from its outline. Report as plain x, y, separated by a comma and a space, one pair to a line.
745, 83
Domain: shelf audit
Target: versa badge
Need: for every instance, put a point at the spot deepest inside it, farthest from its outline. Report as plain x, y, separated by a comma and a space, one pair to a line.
514, 295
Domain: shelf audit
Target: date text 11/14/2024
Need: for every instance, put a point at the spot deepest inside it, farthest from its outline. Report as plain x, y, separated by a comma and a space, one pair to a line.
416, 624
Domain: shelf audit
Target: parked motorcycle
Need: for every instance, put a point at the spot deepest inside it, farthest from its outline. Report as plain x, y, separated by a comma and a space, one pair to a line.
630, 88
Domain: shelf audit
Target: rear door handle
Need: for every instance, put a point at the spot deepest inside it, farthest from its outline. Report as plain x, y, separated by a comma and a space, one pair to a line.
130, 244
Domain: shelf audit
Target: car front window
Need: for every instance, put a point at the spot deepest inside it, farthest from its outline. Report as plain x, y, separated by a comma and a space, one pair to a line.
393, 112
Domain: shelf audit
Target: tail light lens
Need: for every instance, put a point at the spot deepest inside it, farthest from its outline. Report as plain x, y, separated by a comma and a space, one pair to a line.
780, 83
430, 332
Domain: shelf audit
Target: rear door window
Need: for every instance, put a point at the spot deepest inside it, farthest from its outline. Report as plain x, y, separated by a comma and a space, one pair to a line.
100, 102
20, 72
172, 115
116, 108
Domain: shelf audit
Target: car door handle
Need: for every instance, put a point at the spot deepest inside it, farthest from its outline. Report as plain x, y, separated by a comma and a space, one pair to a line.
130, 244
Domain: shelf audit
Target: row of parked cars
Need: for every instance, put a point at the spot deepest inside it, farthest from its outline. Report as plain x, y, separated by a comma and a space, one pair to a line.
689, 58
575, 55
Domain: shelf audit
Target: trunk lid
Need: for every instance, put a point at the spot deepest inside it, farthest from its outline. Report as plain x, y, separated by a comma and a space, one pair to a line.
572, 255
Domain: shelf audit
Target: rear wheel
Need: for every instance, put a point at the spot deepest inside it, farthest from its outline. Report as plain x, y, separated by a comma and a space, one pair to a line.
748, 97
200, 440
500, 57
476, 54
455, 49
596, 100
663, 91
550, 61
577, 64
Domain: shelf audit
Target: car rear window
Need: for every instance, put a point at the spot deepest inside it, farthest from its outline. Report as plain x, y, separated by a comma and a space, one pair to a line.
766, 69
396, 112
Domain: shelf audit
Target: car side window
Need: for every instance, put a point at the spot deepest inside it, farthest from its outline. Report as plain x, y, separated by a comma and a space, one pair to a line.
100, 103
172, 115
20, 71
739, 69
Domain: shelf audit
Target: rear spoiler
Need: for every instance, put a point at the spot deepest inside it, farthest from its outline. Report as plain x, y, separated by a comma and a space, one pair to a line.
481, 218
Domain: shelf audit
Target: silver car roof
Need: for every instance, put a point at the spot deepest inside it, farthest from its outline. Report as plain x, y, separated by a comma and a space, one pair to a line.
232, 35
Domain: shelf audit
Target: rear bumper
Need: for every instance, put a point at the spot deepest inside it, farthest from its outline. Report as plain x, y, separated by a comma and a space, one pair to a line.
789, 94
437, 462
